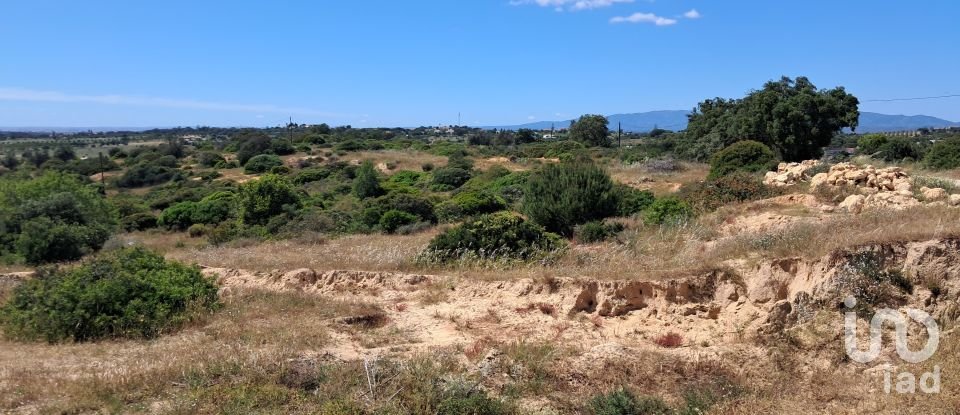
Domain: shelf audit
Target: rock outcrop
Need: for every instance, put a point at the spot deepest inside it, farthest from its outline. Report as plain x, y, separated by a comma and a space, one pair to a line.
790, 173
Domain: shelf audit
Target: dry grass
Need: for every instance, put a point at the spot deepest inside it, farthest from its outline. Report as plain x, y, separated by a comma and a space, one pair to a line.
254, 334
812, 240
393, 253
399, 159
659, 183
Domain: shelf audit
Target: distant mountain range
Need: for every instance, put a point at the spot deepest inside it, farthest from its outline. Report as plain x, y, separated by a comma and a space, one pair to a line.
676, 120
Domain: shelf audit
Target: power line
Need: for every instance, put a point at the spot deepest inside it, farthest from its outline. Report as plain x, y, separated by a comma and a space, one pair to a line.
912, 99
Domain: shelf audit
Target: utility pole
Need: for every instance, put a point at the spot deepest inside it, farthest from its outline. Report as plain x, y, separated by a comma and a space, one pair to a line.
619, 133
103, 182
290, 130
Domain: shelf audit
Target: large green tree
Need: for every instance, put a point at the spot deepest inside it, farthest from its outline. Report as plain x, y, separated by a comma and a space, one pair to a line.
792, 117
591, 130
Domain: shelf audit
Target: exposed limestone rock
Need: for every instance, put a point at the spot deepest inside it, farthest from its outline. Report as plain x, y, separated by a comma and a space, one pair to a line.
853, 204
934, 194
788, 174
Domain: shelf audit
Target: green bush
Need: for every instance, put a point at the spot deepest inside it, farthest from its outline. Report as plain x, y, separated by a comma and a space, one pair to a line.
271, 195
944, 154
449, 178
311, 175
138, 222
466, 204
394, 219
129, 293
733, 188
597, 231
623, 402
54, 217
495, 236
742, 156
213, 209
403, 202
367, 183
209, 159
561, 196
262, 163
631, 201
871, 143
899, 149
668, 210
142, 175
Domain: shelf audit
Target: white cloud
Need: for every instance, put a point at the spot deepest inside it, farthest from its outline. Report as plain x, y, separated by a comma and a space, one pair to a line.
572, 5
20, 94
692, 14
531, 118
644, 18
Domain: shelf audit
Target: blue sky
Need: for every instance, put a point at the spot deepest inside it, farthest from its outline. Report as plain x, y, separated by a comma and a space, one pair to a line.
410, 63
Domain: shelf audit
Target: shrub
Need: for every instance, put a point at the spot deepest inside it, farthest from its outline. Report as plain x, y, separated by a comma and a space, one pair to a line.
668, 210
261, 164
197, 230
209, 159
271, 195
944, 154
597, 231
561, 196
742, 156
282, 147
871, 143
737, 187
426, 167
403, 202
130, 293
623, 402
311, 175
493, 236
465, 204
138, 222
631, 201
213, 209
367, 184
449, 178
54, 217
145, 175
394, 219
898, 149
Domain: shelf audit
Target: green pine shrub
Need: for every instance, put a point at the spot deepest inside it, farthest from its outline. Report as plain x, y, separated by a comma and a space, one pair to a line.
129, 293
494, 236
367, 183
561, 196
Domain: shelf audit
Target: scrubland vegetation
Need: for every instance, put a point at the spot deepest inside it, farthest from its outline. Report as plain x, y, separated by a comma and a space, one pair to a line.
118, 238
